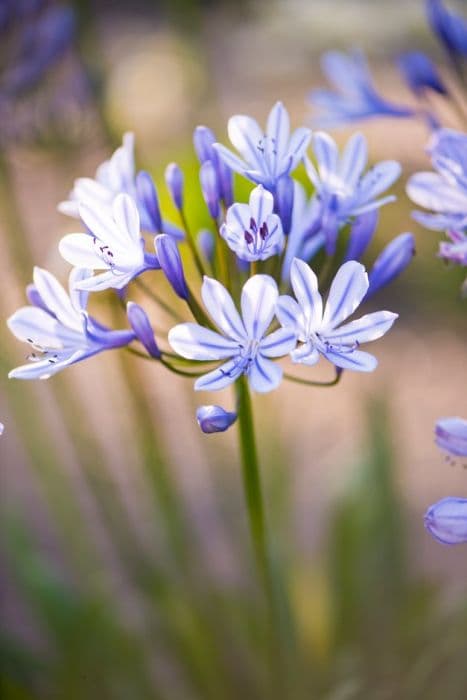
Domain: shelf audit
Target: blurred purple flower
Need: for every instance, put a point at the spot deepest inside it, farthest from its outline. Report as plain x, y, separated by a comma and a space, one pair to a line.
449, 27
456, 250
420, 73
354, 96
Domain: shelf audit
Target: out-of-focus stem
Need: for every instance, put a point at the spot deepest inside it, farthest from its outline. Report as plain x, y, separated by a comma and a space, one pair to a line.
192, 244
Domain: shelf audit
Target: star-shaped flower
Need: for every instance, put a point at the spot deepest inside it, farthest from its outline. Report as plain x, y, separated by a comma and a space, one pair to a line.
251, 230
113, 244
58, 327
320, 332
266, 156
241, 340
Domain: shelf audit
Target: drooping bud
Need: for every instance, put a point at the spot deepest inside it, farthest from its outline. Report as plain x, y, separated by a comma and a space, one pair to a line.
203, 140
210, 188
391, 262
446, 520
174, 181
148, 200
141, 325
361, 234
451, 435
284, 201
214, 419
420, 73
171, 263
205, 242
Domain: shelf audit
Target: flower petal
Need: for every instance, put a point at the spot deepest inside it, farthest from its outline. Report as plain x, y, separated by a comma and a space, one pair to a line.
347, 291
378, 179
289, 312
264, 375
353, 160
296, 148
305, 286
364, 329
431, 191
198, 343
126, 217
279, 343
219, 378
36, 326
106, 280
261, 204
56, 299
246, 135
220, 306
326, 153
259, 297
357, 360
230, 159
278, 129
79, 250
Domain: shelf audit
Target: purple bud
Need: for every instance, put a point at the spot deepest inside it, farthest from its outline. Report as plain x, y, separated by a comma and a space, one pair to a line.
391, 262
174, 181
420, 73
206, 244
214, 419
361, 234
446, 520
451, 435
284, 201
148, 200
203, 139
141, 325
171, 263
210, 188
35, 298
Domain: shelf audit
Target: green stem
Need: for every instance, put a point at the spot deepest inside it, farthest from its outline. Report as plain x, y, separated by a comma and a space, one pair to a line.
152, 295
306, 382
258, 529
192, 245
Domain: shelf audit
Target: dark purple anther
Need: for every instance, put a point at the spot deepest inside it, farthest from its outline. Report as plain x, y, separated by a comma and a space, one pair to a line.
263, 231
248, 237
253, 226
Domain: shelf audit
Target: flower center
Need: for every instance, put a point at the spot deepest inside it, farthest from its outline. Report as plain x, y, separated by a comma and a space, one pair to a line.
255, 237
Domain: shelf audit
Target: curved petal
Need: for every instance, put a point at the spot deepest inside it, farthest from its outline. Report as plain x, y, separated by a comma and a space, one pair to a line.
431, 191
78, 298
326, 153
296, 149
357, 360
33, 325
125, 213
198, 343
306, 354
79, 250
261, 204
259, 297
289, 312
219, 378
279, 343
363, 330
278, 129
246, 135
106, 280
264, 375
353, 160
56, 299
230, 159
347, 291
221, 309
238, 218
305, 286
45, 369
378, 179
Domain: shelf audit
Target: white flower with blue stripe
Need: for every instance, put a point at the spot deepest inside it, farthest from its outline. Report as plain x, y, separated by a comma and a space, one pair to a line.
265, 156
58, 328
113, 245
318, 326
251, 230
242, 342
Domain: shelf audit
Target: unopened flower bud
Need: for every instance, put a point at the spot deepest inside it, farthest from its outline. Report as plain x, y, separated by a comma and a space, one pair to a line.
446, 520
210, 188
361, 234
148, 200
214, 419
391, 262
174, 181
171, 263
451, 435
141, 325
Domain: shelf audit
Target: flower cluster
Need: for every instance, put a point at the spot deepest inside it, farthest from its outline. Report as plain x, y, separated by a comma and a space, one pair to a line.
258, 294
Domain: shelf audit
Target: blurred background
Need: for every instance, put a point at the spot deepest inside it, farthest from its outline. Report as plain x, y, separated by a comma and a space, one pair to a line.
126, 569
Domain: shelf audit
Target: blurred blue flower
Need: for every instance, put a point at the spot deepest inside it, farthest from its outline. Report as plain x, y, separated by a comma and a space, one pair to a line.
391, 262
420, 73
456, 250
449, 27
113, 244
354, 96
117, 176
214, 419
267, 156
451, 435
60, 330
446, 520
241, 340
341, 188
444, 191
319, 331
251, 230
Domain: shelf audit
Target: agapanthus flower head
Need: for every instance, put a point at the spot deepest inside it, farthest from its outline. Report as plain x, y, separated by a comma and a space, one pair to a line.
420, 73
446, 520
59, 331
214, 419
252, 230
242, 343
267, 155
444, 191
449, 27
341, 188
118, 176
454, 250
354, 96
113, 245
320, 328
451, 435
